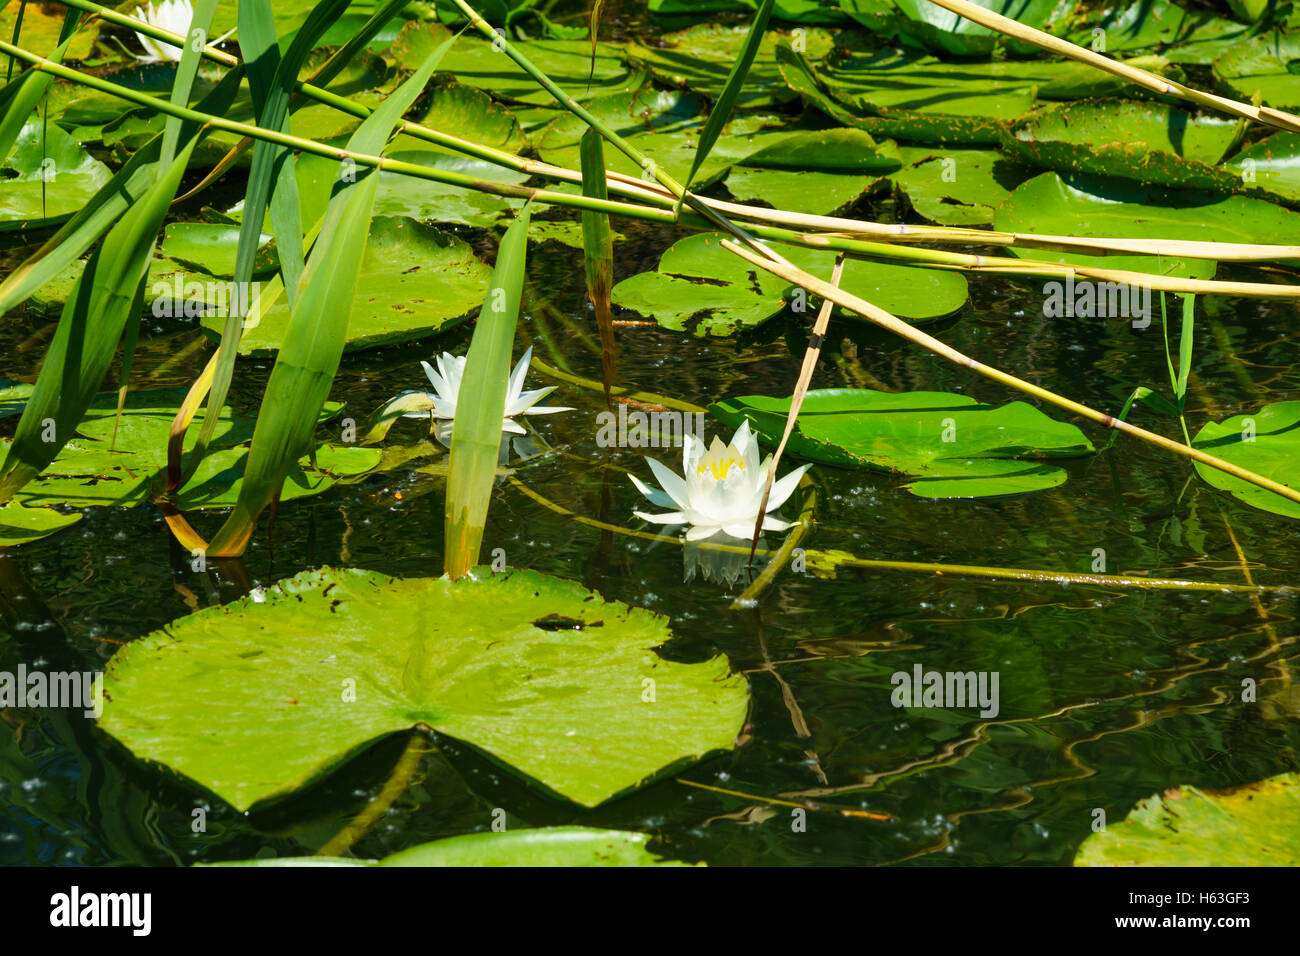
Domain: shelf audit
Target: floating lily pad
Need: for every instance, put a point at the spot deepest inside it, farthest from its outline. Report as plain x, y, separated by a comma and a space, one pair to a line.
895, 93
1152, 143
700, 59
20, 524
415, 41
112, 462
701, 287
463, 111
1266, 442
1194, 36
547, 846
46, 178
357, 656
1253, 825
567, 62
1270, 167
1096, 207
414, 281
942, 31
665, 126
41, 30
813, 171
958, 187
948, 445
1265, 65
543, 846
212, 248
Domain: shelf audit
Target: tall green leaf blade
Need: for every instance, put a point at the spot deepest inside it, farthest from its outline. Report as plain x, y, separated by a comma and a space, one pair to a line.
731, 91
598, 250
88, 333
476, 434
313, 345
271, 173
196, 38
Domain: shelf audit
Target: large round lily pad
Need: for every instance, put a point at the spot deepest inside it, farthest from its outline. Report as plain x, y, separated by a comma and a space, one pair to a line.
1254, 825
256, 698
949, 445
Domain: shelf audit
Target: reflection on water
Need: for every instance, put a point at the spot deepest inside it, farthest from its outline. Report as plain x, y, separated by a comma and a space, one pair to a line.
1106, 696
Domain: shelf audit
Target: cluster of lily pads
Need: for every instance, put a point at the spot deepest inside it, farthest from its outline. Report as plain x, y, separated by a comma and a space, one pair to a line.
836, 102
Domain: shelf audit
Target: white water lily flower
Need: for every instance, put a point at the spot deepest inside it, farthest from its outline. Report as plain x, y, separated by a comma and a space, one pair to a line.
174, 16
721, 490
446, 384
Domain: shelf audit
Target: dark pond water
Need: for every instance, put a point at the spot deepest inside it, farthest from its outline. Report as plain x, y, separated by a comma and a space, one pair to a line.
1107, 696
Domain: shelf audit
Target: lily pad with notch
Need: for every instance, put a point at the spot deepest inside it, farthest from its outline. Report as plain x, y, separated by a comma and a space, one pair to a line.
948, 445
358, 655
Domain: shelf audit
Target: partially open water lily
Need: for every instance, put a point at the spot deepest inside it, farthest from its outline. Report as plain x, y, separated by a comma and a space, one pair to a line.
721, 490
446, 393
172, 15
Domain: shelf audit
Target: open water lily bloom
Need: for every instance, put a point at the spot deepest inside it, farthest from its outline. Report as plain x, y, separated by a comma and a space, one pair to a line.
721, 489
172, 15
446, 393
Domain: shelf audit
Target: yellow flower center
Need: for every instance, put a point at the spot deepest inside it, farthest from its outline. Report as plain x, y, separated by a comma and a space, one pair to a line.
720, 466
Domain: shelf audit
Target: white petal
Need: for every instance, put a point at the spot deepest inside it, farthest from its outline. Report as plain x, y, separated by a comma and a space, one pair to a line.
671, 483
784, 487
698, 532
673, 517
740, 529
657, 496
515, 385
776, 524
546, 409
513, 427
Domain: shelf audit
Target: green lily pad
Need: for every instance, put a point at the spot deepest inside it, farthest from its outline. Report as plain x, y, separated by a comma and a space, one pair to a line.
701, 287
543, 846
813, 171
1095, 207
942, 31
914, 97
212, 247
122, 463
948, 445
415, 41
1194, 36
13, 396
414, 281
1266, 442
1152, 143
1264, 65
566, 62
20, 524
546, 846
357, 655
46, 178
700, 59
41, 30
665, 126
1253, 825
1270, 167
463, 111
958, 187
